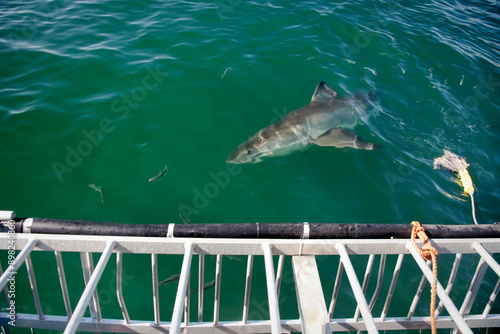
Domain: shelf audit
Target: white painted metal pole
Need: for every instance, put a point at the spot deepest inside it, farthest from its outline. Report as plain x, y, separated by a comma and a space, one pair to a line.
487, 257
356, 288
279, 274
310, 299
274, 312
368, 273
89, 289
218, 271
34, 288
335, 292
201, 280
156, 298
181, 289
88, 269
64, 285
493, 297
7, 215
451, 280
450, 307
12, 269
392, 287
248, 285
473, 290
381, 270
418, 295
119, 287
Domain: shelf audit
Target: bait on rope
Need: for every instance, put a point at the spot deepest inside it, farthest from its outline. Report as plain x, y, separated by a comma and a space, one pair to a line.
456, 164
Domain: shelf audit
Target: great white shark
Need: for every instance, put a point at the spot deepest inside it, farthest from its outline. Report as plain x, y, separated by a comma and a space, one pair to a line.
327, 120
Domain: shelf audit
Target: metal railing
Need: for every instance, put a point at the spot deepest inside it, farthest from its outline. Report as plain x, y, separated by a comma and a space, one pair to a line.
317, 314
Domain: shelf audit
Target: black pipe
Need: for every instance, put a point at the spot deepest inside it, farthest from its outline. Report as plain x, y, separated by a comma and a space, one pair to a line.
83, 227
251, 230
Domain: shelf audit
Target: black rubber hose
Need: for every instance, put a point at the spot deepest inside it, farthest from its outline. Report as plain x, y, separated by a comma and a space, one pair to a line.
252, 230
83, 227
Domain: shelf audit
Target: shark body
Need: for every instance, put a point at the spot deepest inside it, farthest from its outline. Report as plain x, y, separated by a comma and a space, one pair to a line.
327, 120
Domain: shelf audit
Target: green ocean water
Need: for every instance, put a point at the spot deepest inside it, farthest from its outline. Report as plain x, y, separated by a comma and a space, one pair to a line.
108, 93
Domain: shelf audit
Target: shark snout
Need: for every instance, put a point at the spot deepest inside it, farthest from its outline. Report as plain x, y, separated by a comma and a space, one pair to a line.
232, 159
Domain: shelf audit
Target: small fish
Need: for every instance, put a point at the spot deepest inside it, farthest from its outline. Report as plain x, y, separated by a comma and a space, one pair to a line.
371, 70
96, 188
350, 61
173, 278
225, 72
402, 68
462, 81
184, 219
434, 68
160, 174
205, 287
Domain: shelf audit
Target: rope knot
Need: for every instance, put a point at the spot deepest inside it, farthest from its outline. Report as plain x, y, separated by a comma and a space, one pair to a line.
428, 252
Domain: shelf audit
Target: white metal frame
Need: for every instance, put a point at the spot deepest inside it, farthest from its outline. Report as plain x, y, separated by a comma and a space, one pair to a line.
314, 316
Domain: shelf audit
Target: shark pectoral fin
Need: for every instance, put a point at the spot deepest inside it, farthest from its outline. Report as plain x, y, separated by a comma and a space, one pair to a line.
340, 138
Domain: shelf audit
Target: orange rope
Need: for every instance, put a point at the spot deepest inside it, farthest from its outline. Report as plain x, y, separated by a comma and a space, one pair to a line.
429, 253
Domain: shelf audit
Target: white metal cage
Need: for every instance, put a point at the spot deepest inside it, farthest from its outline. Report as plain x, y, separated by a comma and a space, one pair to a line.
317, 314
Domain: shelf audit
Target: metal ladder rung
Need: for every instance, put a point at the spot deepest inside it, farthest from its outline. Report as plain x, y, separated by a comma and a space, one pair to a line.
451, 280
84, 301
450, 307
156, 298
271, 290
248, 286
88, 269
62, 281
392, 287
119, 287
218, 271
18, 262
487, 257
34, 288
335, 292
356, 288
182, 288
201, 280
312, 307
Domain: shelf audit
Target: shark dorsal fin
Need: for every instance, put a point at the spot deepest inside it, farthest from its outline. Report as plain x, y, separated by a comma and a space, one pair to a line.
324, 93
